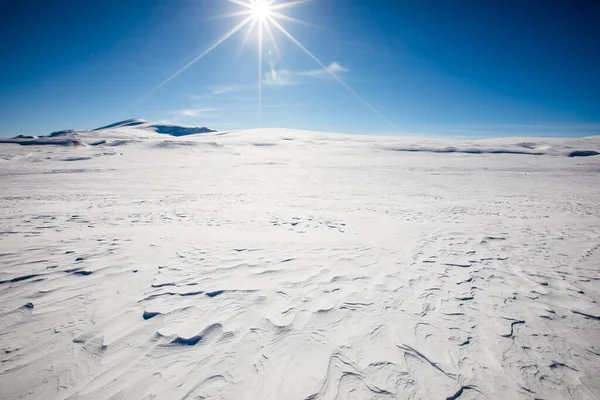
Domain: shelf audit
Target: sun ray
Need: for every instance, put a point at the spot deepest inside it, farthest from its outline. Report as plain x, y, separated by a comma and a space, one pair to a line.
260, 60
242, 3
329, 71
234, 14
291, 19
289, 4
272, 37
250, 30
201, 55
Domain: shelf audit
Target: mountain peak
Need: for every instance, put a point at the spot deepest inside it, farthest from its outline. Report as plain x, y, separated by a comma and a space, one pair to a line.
160, 128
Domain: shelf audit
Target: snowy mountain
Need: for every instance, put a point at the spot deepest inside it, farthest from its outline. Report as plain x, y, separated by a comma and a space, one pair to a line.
164, 129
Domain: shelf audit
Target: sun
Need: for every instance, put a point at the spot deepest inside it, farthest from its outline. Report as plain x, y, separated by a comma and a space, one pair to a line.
264, 17
261, 10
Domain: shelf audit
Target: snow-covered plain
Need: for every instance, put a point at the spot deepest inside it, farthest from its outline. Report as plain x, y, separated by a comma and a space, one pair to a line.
277, 264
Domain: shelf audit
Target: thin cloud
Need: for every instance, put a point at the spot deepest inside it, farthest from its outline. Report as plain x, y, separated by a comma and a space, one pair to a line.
235, 88
282, 77
217, 91
196, 112
199, 97
285, 77
333, 67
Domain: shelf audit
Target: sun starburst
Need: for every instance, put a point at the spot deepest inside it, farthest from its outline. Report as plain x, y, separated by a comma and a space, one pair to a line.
262, 16
261, 9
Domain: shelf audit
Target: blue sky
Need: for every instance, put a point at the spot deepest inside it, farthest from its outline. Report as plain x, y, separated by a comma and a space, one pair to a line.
459, 68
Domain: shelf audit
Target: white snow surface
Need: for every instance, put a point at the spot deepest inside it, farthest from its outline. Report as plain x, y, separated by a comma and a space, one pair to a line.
280, 264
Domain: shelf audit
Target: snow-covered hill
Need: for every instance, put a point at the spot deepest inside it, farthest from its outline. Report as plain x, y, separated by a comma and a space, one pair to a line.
128, 129
163, 129
281, 264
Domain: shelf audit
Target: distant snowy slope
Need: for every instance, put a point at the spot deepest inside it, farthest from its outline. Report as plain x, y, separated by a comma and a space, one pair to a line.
539, 146
134, 130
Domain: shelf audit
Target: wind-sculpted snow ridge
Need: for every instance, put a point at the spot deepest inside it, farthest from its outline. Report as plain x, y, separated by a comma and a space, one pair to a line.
126, 123
276, 264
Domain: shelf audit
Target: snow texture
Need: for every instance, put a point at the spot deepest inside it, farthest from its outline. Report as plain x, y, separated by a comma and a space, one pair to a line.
279, 264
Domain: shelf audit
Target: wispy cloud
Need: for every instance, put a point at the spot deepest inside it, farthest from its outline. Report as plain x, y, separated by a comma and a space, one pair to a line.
281, 77
334, 67
196, 112
235, 88
221, 90
285, 77
199, 97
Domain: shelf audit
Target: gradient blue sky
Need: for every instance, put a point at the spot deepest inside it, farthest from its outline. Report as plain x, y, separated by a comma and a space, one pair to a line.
461, 68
